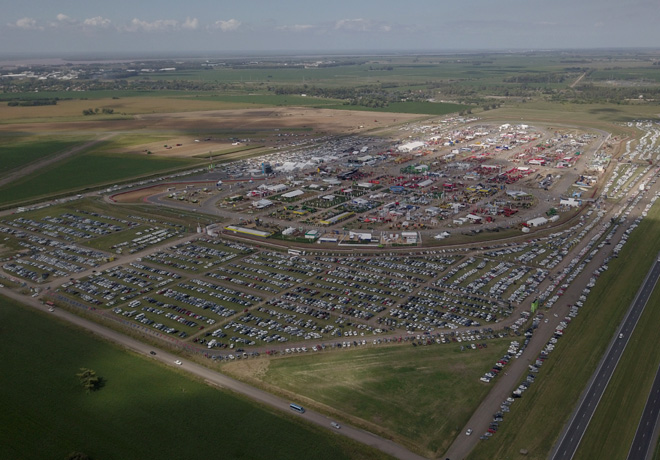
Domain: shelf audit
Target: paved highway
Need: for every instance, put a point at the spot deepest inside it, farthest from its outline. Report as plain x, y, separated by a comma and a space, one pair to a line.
573, 433
646, 431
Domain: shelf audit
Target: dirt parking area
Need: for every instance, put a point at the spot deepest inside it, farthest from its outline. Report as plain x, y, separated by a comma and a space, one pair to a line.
136, 196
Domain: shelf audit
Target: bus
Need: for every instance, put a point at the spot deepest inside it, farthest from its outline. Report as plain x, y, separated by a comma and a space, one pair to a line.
297, 408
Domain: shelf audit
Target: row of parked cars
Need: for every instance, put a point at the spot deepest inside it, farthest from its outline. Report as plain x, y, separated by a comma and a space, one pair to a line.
529, 379
502, 362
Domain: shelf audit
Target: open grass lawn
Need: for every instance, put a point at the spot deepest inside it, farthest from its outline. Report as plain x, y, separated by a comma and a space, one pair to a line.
16, 152
536, 421
419, 396
144, 411
84, 171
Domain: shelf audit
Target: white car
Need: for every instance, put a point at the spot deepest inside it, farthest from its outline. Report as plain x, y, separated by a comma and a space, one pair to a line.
178, 361
335, 425
468, 432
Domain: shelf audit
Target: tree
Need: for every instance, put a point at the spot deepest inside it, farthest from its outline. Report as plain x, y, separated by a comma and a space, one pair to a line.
89, 380
77, 456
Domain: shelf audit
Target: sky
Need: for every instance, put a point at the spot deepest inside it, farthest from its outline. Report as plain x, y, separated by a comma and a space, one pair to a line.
66, 27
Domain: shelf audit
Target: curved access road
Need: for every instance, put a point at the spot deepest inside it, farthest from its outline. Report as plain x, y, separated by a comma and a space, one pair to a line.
220, 380
572, 435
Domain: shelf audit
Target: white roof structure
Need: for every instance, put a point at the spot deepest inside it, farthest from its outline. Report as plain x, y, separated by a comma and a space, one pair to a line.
277, 188
517, 193
262, 204
360, 236
410, 146
537, 221
569, 202
293, 194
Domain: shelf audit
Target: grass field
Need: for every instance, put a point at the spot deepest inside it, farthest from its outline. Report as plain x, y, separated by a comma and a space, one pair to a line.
536, 421
83, 171
16, 152
144, 411
417, 396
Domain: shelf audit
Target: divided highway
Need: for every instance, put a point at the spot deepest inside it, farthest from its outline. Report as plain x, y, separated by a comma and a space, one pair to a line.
646, 431
577, 426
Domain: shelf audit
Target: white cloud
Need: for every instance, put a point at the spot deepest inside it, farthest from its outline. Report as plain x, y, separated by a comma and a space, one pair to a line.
137, 25
26, 23
190, 23
295, 28
361, 25
97, 21
227, 26
65, 19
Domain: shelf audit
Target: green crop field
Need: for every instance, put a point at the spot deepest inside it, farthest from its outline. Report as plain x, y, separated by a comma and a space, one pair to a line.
84, 171
536, 421
16, 152
418, 396
143, 411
